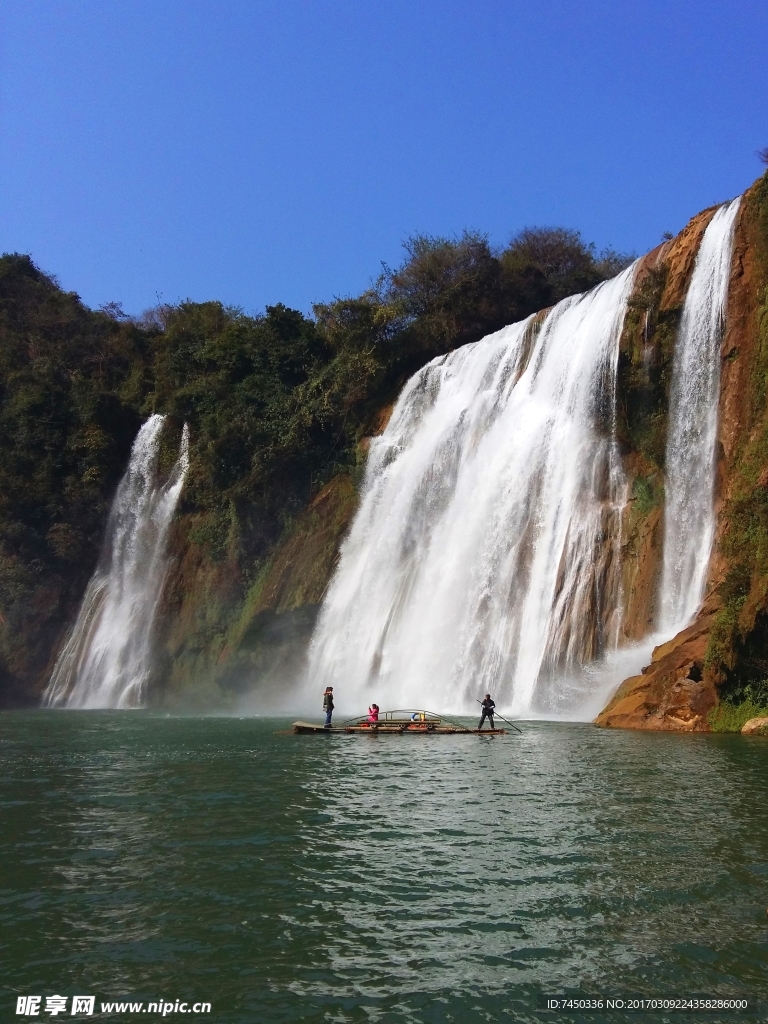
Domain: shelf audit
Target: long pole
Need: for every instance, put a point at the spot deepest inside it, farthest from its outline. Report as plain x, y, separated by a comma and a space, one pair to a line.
497, 715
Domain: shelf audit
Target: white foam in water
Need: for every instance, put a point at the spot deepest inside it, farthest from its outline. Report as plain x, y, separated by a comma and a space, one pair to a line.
105, 663
485, 553
689, 518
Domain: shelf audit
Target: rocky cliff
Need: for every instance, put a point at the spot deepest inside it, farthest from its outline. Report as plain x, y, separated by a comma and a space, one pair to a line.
280, 409
721, 656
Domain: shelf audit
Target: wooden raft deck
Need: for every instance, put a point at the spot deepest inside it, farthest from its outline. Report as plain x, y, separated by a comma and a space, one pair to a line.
393, 728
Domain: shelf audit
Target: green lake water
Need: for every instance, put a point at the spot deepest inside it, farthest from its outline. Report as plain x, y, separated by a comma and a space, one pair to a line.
347, 879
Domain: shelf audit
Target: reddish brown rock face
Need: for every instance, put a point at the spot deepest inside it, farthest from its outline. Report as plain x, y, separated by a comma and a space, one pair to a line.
672, 693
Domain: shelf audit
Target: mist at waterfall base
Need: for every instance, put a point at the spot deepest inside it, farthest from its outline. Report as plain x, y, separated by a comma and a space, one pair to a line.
105, 662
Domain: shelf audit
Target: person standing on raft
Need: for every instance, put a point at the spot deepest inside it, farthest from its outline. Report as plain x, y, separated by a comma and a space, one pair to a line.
488, 706
328, 705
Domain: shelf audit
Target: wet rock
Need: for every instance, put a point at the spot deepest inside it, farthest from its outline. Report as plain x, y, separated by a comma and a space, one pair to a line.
673, 693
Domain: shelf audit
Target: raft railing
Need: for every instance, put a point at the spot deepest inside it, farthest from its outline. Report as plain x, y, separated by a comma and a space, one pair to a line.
391, 717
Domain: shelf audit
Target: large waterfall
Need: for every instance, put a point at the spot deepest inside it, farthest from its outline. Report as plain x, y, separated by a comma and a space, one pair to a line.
486, 551
689, 518
105, 662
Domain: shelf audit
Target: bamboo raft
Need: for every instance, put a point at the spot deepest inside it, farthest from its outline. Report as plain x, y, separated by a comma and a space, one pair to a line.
395, 723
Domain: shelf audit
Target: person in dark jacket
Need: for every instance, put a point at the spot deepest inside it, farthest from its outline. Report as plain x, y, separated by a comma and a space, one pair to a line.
328, 705
487, 705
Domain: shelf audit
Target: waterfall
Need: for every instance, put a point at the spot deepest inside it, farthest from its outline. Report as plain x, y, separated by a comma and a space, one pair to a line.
485, 555
689, 517
105, 662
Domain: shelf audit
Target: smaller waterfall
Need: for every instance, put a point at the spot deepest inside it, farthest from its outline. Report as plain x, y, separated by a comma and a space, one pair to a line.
105, 662
689, 518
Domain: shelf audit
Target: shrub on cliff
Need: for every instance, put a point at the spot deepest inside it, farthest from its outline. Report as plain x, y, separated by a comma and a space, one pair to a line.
446, 293
730, 717
234, 378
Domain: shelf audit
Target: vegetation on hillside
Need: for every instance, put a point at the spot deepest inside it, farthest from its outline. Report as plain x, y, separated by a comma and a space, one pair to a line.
277, 404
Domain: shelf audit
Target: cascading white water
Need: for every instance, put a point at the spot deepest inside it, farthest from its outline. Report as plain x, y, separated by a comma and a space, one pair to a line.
485, 553
105, 662
689, 517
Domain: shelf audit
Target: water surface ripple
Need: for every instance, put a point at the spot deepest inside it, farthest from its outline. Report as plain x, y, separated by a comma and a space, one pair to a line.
376, 879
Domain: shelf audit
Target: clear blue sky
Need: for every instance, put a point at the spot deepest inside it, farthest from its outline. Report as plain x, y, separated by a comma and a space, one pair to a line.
259, 152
